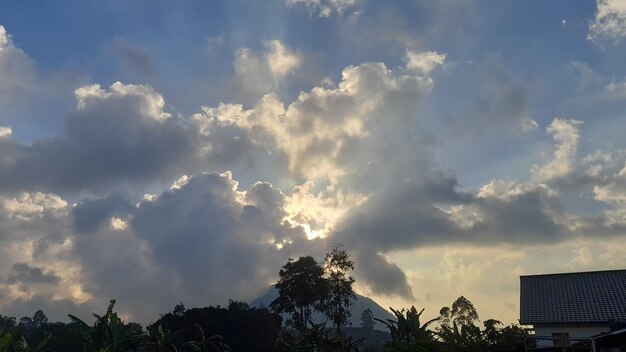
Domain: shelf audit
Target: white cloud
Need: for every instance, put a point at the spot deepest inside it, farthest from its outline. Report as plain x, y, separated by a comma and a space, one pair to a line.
5, 132
151, 107
508, 189
281, 59
29, 205
5, 39
16, 69
610, 21
326, 7
528, 124
612, 189
318, 128
118, 224
424, 62
582, 257
616, 90
566, 135
260, 73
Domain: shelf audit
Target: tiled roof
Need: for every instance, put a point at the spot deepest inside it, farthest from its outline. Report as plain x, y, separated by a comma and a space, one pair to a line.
589, 297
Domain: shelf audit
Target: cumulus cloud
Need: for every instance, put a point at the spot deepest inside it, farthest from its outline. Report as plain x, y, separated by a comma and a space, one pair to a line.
260, 73
610, 21
566, 134
114, 135
16, 69
24, 273
5, 131
349, 161
613, 188
424, 62
326, 7
205, 238
320, 131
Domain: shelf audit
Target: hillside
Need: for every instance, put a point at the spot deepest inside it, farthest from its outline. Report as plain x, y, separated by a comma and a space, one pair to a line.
360, 304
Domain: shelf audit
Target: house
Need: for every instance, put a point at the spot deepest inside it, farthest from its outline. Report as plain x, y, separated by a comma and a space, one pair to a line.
569, 308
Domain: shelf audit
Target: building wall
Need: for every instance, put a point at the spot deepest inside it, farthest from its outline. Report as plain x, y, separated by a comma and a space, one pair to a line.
573, 331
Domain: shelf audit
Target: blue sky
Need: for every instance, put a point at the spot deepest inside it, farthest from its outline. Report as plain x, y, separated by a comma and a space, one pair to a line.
451, 146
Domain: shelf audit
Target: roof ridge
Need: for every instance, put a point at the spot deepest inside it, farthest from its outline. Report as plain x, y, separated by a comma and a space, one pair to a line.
576, 273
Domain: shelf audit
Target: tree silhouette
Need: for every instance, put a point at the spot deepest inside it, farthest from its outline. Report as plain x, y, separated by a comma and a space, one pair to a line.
301, 289
462, 313
109, 333
340, 295
367, 319
408, 333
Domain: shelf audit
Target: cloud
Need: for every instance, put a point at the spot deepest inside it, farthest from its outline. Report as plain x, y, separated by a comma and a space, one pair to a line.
616, 90
260, 73
320, 131
326, 7
24, 273
609, 22
385, 278
351, 160
493, 102
28, 205
132, 58
5, 131
566, 134
206, 227
116, 135
612, 189
16, 69
424, 62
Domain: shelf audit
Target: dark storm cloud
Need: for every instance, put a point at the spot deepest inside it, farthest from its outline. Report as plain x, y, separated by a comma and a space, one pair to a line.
383, 277
89, 214
24, 273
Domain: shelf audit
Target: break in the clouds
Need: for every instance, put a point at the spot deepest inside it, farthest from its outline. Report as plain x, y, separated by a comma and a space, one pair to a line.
137, 165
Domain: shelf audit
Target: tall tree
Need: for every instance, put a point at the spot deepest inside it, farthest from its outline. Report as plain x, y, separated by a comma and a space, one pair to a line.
367, 319
462, 313
458, 330
301, 289
337, 266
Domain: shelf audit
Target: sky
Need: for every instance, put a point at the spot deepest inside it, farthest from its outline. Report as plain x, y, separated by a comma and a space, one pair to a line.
183, 151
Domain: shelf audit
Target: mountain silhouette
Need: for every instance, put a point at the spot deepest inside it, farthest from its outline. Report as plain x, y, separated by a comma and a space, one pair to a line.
360, 304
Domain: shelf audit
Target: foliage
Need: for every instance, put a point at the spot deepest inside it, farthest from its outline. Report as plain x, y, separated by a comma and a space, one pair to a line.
12, 342
304, 286
240, 327
301, 289
459, 333
109, 333
462, 313
340, 293
367, 319
202, 343
318, 338
408, 333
